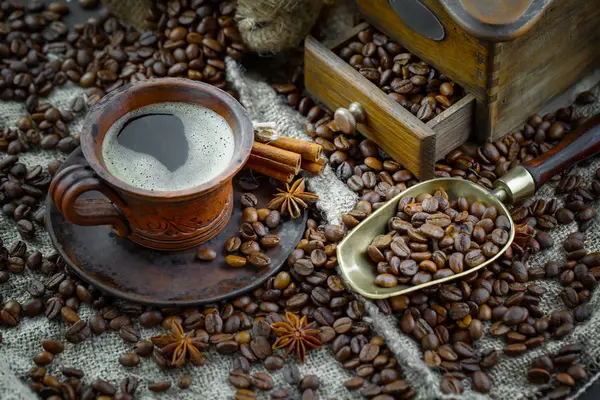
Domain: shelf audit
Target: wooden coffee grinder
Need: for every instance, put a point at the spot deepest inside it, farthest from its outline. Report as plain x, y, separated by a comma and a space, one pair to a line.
511, 56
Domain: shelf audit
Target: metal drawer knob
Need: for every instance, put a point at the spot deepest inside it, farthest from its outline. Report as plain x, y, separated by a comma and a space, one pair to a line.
347, 119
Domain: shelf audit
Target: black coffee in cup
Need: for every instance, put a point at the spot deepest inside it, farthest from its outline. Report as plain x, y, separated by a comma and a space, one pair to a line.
168, 146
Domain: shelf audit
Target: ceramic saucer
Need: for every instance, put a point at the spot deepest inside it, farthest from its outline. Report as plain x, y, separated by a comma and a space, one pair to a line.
129, 271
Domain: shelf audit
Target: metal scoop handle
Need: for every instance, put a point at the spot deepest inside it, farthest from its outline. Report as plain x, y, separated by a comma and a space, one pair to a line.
523, 180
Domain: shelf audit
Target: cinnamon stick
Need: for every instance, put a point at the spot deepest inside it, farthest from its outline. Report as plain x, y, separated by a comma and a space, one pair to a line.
271, 164
314, 168
273, 173
276, 154
308, 150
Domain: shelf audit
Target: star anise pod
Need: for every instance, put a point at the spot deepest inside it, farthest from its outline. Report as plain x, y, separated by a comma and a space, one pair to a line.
523, 234
293, 199
181, 346
295, 334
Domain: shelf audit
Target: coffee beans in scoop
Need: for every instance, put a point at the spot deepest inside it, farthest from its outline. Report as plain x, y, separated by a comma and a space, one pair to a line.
432, 237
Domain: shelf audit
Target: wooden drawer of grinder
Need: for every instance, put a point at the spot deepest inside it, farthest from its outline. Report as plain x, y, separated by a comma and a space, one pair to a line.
408, 140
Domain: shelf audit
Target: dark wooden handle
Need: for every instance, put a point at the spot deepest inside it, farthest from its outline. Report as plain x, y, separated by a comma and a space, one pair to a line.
72, 182
580, 144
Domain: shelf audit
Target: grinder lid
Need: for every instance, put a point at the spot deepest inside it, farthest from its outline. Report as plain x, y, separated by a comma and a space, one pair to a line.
496, 20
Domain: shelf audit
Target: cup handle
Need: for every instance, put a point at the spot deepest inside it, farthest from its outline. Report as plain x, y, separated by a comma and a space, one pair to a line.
72, 182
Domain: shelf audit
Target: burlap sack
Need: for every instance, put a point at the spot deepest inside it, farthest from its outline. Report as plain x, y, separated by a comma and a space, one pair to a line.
133, 12
270, 26
266, 26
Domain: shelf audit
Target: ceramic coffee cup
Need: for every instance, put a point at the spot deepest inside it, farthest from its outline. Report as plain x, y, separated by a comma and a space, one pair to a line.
172, 220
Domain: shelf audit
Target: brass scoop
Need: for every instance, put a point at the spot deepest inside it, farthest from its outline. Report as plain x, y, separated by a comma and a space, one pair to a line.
520, 182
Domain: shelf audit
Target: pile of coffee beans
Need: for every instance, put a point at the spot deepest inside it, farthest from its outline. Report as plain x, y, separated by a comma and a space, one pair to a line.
501, 286
239, 378
28, 35
72, 385
376, 179
20, 191
410, 82
308, 285
433, 237
562, 370
189, 39
254, 239
46, 127
493, 160
577, 203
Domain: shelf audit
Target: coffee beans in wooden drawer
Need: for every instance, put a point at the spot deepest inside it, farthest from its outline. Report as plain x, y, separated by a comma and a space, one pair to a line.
411, 82
432, 237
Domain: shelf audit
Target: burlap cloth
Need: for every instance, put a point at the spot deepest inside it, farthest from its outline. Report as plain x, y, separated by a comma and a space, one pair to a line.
98, 355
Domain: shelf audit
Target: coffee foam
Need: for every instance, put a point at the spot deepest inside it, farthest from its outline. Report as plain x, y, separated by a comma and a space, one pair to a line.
211, 146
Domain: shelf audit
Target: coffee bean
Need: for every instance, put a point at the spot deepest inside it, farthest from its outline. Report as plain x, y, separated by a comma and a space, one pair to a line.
240, 380
386, 280
259, 260
43, 358
538, 376
262, 381
97, 324
129, 334
577, 372
565, 216
206, 254
291, 374
143, 348
563, 330
248, 200
129, 360
53, 346
552, 269
103, 387
519, 272
303, 267
184, 382
235, 261
270, 241
564, 379
354, 383
78, 332
569, 297
481, 382
334, 233
309, 382
451, 385
129, 385
586, 97
273, 363
233, 244
513, 350
69, 315
53, 307
273, 219
244, 394
261, 347
159, 387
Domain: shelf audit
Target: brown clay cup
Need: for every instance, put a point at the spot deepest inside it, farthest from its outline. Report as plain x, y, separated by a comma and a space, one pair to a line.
169, 221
